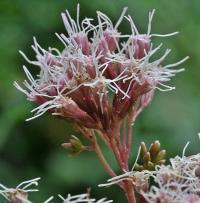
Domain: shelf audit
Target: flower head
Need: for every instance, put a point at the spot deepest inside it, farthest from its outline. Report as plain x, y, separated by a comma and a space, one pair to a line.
178, 182
20, 193
97, 59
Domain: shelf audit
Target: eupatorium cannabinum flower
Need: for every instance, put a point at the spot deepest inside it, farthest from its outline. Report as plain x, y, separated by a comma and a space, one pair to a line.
97, 59
178, 182
20, 193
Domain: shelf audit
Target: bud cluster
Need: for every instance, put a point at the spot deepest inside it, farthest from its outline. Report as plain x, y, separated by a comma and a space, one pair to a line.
150, 158
74, 145
74, 83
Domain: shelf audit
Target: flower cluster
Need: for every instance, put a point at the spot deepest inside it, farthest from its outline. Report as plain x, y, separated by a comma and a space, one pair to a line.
20, 194
97, 59
178, 182
175, 183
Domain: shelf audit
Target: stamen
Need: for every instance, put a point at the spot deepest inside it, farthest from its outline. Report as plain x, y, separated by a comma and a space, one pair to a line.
82, 198
61, 39
28, 60
66, 24
120, 18
177, 63
162, 58
151, 14
38, 46
184, 149
49, 199
164, 35
132, 24
29, 76
78, 17
20, 88
32, 181
137, 157
105, 18
168, 88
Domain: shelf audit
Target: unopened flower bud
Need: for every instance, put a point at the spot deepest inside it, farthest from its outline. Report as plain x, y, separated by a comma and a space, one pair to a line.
143, 149
146, 158
160, 155
74, 146
150, 165
150, 158
138, 167
70, 110
154, 149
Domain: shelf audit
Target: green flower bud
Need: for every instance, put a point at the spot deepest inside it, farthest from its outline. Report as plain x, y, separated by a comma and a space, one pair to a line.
74, 146
154, 149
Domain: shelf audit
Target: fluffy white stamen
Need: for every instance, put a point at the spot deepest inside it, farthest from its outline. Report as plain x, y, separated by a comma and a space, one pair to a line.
22, 188
175, 181
151, 14
49, 200
82, 198
62, 73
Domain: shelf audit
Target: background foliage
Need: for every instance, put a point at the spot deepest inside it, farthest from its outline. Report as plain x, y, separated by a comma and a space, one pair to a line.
32, 149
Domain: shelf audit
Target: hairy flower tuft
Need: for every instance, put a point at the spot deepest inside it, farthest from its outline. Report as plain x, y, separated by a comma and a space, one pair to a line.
178, 182
97, 60
20, 193
83, 198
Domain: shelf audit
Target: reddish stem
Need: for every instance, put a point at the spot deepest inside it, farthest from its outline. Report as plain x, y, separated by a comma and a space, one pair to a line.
122, 156
124, 133
117, 154
130, 192
118, 149
129, 135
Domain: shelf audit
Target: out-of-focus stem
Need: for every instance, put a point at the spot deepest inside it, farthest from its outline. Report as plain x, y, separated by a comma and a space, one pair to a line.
124, 133
117, 154
122, 156
118, 149
104, 139
103, 161
90, 135
129, 134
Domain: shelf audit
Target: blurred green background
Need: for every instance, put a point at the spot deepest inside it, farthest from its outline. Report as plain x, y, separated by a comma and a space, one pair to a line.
32, 149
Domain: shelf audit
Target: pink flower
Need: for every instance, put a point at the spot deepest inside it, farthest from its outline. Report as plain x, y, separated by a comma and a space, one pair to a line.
97, 61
